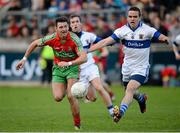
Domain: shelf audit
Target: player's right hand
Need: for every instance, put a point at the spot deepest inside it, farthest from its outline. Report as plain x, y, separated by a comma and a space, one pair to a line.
20, 64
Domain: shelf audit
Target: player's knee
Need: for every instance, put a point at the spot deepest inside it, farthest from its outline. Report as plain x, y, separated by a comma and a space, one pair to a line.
58, 98
70, 97
100, 90
92, 99
130, 90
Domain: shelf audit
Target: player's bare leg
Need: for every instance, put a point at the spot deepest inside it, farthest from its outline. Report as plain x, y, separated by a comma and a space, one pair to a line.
109, 90
74, 104
58, 90
140, 98
105, 84
132, 86
91, 95
105, 96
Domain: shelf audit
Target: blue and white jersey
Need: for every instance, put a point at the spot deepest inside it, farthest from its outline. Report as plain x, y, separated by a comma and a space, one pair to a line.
87, 40
136, 45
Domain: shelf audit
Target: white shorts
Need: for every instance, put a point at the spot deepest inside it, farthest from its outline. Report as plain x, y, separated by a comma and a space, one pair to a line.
89, 73
141, 71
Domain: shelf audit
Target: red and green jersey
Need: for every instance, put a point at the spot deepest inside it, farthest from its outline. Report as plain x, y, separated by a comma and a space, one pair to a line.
63, 51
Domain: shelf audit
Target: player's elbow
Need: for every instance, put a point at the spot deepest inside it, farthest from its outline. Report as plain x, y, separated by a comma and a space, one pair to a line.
34, 44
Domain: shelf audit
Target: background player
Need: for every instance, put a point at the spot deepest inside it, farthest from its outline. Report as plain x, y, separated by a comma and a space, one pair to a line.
89, 72
100, 57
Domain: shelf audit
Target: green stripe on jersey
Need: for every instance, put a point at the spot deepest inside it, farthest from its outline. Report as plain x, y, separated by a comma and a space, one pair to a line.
48, 38
77, 41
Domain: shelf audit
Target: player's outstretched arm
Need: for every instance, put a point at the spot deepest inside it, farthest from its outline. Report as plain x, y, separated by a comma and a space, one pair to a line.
175, 49
101, 44
29, 50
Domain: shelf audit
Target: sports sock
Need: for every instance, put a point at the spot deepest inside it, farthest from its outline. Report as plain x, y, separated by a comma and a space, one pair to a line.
110, 109
77, 120
110, 94
123, 109
139, 97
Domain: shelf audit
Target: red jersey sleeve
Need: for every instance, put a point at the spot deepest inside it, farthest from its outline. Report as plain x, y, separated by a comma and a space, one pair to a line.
47, 40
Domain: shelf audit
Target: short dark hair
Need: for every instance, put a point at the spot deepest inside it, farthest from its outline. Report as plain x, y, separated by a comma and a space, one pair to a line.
135, 9
62, 19
75, 15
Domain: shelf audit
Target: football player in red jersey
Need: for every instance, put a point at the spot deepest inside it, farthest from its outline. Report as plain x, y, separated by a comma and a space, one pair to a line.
68, 54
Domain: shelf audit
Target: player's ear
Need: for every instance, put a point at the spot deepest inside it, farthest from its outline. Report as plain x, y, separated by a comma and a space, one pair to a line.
55, 28
81, 25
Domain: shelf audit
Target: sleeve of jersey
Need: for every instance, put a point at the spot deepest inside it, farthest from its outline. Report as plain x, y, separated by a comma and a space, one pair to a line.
116, 35
155, 34
46, 40
94, 38
97, 39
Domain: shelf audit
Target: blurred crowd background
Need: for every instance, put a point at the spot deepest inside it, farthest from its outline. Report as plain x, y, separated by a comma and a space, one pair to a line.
33, 18
22, 21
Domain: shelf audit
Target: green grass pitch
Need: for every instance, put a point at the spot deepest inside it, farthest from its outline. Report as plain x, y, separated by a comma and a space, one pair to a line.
32, 109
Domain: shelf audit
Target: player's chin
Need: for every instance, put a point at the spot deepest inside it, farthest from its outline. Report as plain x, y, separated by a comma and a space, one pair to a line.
64, 34
132, 23
75, 30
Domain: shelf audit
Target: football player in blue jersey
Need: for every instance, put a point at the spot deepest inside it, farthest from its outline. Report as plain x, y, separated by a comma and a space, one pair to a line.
89, 73
136, 37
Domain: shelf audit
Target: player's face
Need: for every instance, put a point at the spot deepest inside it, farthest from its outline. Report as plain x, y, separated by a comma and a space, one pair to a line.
62, 29
75, 24
133, 19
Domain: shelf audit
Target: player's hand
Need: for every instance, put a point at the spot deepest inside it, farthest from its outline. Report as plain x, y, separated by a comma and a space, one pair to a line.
166, 40
177, 56
20, 64
63, 64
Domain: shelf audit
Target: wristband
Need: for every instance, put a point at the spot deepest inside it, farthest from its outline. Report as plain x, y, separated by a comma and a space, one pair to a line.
69, 63
24, 58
